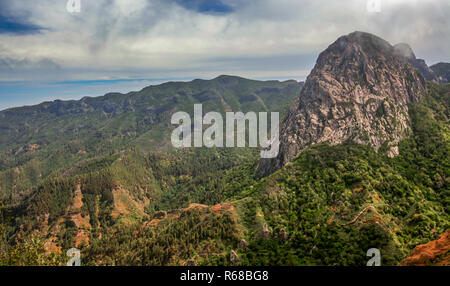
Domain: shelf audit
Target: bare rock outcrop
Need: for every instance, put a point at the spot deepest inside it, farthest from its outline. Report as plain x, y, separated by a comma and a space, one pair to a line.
160, 214
265, 231
243, 244
359, 90
283, 235
234, 257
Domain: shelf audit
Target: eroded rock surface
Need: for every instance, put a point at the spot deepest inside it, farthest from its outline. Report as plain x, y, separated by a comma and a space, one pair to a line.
359, 90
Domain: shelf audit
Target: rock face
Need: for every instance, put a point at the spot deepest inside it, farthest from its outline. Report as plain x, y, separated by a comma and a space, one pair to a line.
243, 244
234, 257
406, 51
441, 72
283, 235
359, 90
265, 231
427, 72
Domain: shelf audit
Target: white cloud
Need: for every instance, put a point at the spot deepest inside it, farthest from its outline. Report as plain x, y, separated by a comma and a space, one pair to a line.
157, 38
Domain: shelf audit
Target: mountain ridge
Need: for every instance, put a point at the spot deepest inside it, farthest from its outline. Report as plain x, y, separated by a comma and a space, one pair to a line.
55, 135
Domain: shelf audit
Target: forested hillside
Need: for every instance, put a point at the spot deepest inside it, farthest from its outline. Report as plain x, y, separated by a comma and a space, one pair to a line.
71, 170
365, 164
327, 207
53, 138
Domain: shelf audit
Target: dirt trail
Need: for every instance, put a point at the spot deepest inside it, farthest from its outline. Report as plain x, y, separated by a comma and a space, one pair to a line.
360, 214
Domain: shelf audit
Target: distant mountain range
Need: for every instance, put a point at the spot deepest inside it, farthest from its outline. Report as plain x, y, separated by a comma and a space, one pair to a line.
53, 136
363, 163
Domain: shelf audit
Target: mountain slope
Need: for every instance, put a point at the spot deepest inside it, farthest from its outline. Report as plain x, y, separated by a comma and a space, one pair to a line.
328, 205
73, 170
405, 50
439, 73
50, 138
442, 72
359, 90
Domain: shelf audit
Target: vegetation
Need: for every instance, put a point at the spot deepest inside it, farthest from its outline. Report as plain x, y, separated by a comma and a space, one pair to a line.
193, 206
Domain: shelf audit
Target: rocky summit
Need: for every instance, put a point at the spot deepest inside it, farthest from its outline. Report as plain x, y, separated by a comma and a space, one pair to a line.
359, 90
438, 73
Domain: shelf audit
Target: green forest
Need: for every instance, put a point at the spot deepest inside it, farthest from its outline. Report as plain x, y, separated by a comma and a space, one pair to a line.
121, 202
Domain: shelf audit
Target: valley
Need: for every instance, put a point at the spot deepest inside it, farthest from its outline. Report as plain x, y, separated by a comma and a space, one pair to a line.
363, 163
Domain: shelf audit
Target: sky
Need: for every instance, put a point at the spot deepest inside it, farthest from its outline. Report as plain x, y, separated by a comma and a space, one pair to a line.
48, 51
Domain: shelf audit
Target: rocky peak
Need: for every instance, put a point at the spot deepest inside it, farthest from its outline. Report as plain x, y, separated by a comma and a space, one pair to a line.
359, 90
441, 72
405, 50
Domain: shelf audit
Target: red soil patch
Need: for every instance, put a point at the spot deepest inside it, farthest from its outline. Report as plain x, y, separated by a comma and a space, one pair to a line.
154, 222
81, 222
51, 246
426, 254
330, 220
357, 188
216, 208
82, 236
226, 206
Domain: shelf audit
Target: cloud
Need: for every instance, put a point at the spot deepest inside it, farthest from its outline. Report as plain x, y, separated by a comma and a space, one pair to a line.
14, 26
15, 23
206, 6
204, 38
24, 69
12, 65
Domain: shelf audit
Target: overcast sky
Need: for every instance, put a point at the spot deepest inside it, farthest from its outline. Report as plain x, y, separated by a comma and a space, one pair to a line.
119, 45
